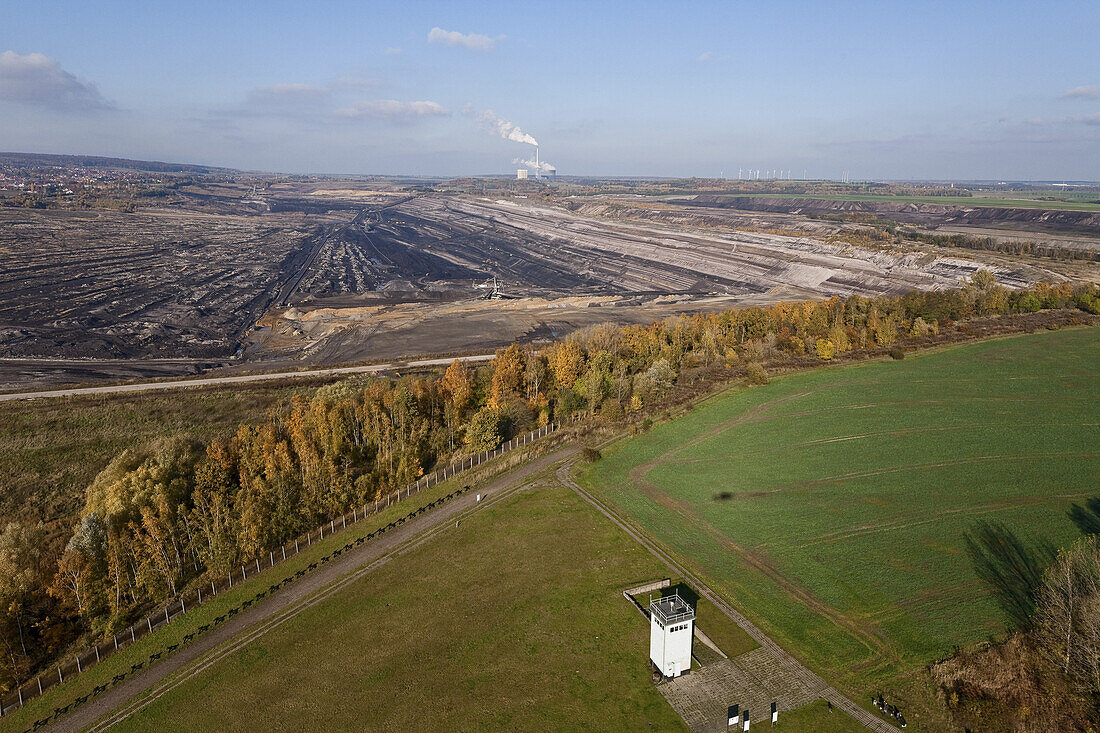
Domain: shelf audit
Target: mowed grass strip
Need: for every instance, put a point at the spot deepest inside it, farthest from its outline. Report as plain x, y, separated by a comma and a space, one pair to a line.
831, 504
513, 621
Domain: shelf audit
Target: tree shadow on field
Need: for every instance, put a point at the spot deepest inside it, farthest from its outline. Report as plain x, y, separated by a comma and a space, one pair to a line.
1010, 566
1087, 518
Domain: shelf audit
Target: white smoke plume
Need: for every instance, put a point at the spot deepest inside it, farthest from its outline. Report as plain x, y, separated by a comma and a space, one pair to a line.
507, 130
542, 164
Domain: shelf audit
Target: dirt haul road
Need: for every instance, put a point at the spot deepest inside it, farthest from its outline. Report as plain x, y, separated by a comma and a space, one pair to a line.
210, 381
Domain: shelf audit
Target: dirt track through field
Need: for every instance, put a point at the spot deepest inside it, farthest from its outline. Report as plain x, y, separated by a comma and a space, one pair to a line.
135, 693
867, 636
796, 672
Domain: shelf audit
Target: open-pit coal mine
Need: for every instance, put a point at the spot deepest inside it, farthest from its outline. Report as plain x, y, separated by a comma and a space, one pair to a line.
327, 279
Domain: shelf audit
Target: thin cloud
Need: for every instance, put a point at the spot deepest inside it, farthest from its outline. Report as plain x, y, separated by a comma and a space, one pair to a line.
38, 80
356, 83
292, 93
393, 109
392, 51
1091, 119
473, 41
704, 57
1086, 91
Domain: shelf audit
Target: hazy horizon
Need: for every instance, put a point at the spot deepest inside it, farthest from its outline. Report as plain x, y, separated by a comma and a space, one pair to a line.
985, 92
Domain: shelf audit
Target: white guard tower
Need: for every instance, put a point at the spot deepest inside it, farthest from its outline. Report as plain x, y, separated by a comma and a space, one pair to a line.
671, 627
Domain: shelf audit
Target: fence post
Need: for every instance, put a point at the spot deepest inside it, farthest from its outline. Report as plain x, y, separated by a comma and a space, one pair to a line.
78, 668
230, 578
213, 588
39, 684
321, 529
166, 617
295, 546
96, 647
148, 621
133, 635
271, 558
60, 676
183, 605
20, 691
244, 573
284, 552
257, 564
116, 642
200, 596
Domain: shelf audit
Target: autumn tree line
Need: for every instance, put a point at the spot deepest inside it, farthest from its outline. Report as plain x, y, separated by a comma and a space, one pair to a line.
164, 516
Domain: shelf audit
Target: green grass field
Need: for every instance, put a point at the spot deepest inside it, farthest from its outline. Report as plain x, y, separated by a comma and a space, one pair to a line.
830, 504
515, 621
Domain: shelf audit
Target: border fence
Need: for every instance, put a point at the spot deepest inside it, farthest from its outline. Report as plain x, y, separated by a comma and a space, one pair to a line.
50, 678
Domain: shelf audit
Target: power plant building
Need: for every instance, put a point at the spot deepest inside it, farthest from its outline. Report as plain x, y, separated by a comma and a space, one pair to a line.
671, 627
521, 174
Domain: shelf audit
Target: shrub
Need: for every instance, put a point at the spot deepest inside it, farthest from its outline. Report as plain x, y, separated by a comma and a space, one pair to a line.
590, 455
897, 353
756, 374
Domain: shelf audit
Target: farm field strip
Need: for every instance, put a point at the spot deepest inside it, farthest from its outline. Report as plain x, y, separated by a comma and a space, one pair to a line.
847, 490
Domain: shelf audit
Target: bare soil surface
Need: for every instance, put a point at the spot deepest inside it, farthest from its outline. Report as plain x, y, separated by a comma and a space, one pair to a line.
220, 277
104, 284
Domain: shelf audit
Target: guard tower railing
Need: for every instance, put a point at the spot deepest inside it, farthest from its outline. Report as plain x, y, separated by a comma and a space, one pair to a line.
671, 609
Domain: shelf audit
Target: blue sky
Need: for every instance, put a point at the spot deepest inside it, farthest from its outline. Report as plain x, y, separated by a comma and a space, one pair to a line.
883, 90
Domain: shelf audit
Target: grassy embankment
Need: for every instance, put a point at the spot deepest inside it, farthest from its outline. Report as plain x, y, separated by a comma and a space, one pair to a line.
830, 504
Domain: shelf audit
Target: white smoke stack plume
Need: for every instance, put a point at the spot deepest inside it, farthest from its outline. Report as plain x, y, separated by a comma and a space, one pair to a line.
506, 129
535, 165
